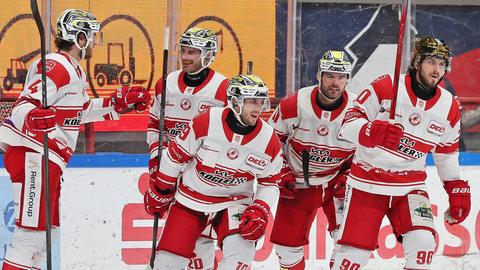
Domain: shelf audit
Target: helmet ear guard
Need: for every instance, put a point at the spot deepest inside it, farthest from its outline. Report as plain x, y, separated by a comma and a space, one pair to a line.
246, 86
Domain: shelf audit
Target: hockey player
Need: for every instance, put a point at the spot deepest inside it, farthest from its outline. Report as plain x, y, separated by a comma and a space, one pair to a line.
190, 90
309, 120
388, 172
21, 135
222, 153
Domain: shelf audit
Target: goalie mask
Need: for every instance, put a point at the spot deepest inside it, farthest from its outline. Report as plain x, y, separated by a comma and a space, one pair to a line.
72, 22
246, 86
203, 39
429, 46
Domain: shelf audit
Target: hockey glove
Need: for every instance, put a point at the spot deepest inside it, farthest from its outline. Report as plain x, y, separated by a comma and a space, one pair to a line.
127, 98
156, 200
254, 219
459, 199
287, 184
40, 120
380, 133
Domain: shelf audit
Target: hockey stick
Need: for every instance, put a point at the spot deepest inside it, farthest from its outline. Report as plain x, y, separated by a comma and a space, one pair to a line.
305, 166
398, 61
161, 126
41, 31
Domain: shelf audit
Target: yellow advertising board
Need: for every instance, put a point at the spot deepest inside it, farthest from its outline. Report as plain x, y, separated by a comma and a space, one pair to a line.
132, 47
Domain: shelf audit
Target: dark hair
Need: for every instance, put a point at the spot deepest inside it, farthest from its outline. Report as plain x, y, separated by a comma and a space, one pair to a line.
63, 45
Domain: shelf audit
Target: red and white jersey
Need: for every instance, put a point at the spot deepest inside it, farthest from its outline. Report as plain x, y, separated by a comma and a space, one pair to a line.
302, 125
219, 167
182, 103
66, 93
429, 126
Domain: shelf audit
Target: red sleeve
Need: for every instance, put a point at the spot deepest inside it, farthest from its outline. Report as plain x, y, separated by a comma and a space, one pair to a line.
200, 124
383, 87
55, 71
222, 92
454, 113
288, 107
274, 146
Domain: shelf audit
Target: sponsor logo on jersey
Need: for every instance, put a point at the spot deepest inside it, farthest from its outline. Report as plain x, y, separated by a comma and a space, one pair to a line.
73, 121
415, 119
222, 177
406, 147
174, 131
256, 162
203, 106
232, 153
436, 128
185, 104
322, 130
424, 211
32, 192
323, 156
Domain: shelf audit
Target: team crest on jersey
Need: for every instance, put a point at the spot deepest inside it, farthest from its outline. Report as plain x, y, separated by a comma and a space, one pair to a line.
322, 130
186, 104
49, 65
415, 119
436, 128
232, 153
256, 162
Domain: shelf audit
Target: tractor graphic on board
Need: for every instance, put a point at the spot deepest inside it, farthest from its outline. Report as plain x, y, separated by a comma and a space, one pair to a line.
117, 73
17, 72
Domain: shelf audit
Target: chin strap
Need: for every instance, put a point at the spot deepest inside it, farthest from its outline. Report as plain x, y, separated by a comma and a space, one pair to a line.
237, 116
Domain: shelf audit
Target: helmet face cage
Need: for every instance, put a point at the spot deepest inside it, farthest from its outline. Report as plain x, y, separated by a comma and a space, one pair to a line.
247, 86
336, 62
203, 39
429, 46
72, 22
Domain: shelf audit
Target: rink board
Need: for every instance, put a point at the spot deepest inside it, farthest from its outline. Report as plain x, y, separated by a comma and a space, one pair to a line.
104, 225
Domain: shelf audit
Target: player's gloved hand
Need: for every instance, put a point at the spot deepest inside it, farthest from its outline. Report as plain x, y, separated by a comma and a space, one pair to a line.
459, 199
380, 133
127, 98
40, 120
157, 198
287, 183
254, 219
340, 183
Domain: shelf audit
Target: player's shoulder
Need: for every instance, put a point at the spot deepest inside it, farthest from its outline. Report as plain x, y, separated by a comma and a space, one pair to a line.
274, 145
289, 105
219, 75
451, 102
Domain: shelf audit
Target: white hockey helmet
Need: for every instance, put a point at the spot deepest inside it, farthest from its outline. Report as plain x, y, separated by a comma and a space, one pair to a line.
203, 39
247, 86
72, 22
335, 61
